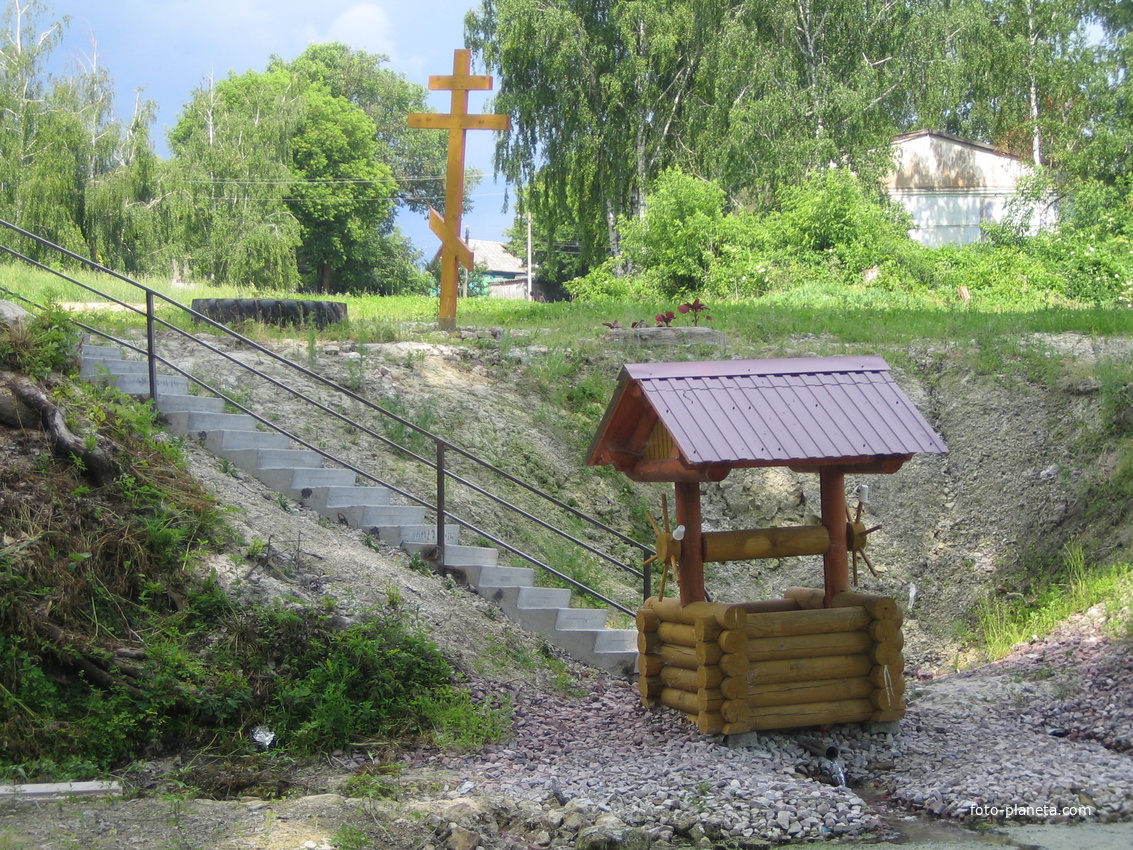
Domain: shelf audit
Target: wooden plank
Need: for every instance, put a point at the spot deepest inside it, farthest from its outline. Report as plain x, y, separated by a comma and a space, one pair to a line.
800, 693
766, 605
647, 620
732, 640
679, 656
734, 687
678, 677
709, 654
735, 664
885, 653
710, 723
808, 646
735, 711
648, 643
678, 633
805, 597
650, 665
809, 669
650, 688
760, 543
883, 630
806, 622
895, 668
879, 607
884, 700
707, 628
671, 610
709, 677
811, 714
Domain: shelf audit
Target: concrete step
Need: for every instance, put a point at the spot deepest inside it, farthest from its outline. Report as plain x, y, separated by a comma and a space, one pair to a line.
601, 648
535, 608
188, 422
257, 458
418, 538
224, 443
334, 494
96, 367
327, 498
189, 403
581, 618
473, 556
139, 384
293, 482
489, 576
92, 351
375, 517
616, 640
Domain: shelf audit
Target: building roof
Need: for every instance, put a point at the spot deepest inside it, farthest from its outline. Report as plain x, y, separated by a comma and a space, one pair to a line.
802, 412
958, 140
495, 257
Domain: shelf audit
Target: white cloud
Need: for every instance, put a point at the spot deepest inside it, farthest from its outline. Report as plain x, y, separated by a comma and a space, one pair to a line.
365, 27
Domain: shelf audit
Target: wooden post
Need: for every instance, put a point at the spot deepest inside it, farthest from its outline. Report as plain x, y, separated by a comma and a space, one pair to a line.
835, 567
691, 565
454, 251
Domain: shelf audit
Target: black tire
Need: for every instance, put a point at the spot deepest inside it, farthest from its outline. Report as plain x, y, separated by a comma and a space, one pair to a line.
231, 311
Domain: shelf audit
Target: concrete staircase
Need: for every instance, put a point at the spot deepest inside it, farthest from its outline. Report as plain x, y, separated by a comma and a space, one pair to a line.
333, 493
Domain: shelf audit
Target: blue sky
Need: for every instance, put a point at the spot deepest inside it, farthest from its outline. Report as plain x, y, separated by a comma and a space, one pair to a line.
168, 48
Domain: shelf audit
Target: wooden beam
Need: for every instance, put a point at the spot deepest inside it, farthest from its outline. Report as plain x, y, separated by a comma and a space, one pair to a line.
675, 470
757, 543
835, 563
690, 568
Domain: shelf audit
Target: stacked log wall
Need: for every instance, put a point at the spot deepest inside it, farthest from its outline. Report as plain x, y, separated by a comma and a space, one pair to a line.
778, 664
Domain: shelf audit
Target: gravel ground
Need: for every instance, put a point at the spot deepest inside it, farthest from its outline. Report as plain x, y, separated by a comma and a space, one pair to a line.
1018, 741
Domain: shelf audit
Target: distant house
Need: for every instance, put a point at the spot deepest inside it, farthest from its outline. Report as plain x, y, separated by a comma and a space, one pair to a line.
506, 273
951, 185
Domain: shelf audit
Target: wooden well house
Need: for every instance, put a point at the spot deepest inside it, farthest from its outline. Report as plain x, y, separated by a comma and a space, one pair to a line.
818, 656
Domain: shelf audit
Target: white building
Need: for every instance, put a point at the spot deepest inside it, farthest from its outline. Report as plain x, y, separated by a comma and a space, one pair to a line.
951, 185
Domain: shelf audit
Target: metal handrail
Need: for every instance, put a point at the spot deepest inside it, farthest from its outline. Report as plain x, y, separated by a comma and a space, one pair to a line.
443, 446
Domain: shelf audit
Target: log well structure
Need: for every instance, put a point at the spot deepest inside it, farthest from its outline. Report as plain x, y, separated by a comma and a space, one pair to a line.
818, 656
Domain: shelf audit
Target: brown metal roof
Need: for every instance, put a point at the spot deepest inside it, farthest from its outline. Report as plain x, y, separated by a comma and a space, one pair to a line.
803, 411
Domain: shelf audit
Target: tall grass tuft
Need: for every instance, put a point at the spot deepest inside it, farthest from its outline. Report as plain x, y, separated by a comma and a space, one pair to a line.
1002, 623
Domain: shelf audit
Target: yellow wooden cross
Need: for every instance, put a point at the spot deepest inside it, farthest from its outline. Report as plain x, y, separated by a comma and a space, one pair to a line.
447, 227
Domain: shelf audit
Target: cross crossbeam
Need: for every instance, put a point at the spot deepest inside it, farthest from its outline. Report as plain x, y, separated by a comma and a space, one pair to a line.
454, 251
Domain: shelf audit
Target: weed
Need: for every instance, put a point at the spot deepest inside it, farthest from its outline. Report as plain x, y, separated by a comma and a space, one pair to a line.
376, 783
312, 346
227, 467
418, 564
348, 837
394, 598
355, 375
1003, 621
46, 343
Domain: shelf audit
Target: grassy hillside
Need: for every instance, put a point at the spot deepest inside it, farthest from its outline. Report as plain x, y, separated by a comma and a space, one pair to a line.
1018, 392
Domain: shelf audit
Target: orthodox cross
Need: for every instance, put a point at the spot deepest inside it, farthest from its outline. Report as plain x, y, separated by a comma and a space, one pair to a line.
447, 227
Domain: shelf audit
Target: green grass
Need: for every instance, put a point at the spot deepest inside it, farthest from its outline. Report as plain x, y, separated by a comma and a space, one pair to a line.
1003, 622
853, 315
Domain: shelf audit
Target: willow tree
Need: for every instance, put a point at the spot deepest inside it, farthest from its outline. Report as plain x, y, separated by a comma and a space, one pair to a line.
230, 176
57, 134
786, 88
597, 92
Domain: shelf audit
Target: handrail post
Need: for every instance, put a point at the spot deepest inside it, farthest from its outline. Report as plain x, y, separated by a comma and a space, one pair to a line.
647, 580
441, 506
151, 348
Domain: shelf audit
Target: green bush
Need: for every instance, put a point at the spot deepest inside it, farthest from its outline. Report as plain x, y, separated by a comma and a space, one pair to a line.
47, 342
